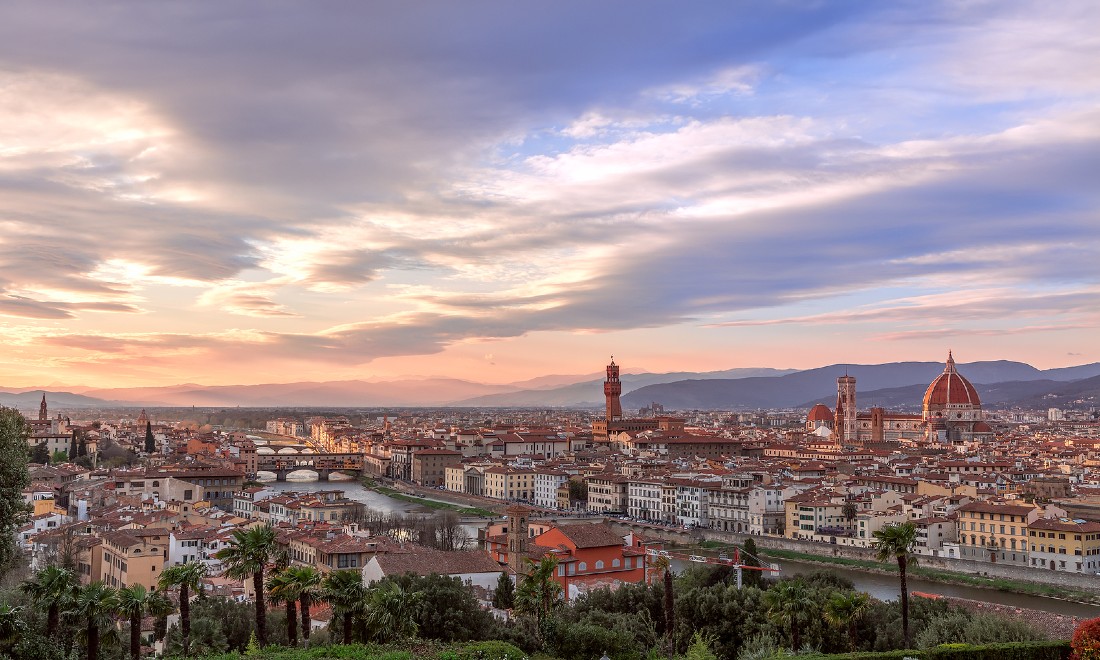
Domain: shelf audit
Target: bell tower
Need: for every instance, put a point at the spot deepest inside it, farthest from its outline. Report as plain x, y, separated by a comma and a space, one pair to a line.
612, 388
846, 429
517, 536
42, 415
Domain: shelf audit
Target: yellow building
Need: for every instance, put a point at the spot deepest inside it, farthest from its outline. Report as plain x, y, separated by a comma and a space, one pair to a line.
1064, 545
504, 483
994, 531
133, 556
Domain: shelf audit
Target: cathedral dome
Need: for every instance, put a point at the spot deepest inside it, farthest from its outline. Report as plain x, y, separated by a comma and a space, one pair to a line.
820, 413
950, 389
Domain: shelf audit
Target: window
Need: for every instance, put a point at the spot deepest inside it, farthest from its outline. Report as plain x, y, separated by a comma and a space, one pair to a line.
599, 564
615, 563
583, 567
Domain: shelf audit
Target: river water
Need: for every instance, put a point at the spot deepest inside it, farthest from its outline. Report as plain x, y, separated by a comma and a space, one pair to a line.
882, 587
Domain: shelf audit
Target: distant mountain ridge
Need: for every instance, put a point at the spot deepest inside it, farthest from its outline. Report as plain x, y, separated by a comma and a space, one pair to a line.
795, 390
891, 385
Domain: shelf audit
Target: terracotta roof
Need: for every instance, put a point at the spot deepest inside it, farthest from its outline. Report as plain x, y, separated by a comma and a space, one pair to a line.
950, 387
591, 535
426, 562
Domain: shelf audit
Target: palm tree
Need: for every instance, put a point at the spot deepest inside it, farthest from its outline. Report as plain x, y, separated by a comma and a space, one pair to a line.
344, 590
247, 555
134, 602
160, 606
307, 582
53, 587
392, 613
188, 577
282, 589
95, 604
845, 608
898, 541
789, 604
539, 593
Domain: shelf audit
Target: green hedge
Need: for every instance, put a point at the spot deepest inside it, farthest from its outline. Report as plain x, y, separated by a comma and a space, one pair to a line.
488, 650
416, 650
1059, 650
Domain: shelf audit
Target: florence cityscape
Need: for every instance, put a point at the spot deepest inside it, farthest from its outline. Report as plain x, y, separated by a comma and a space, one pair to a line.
497, 330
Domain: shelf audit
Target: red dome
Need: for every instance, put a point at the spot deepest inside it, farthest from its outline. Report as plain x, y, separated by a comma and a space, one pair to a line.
950, 388
820, 413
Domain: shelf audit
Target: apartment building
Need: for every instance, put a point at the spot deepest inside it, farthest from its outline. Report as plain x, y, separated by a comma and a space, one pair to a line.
1063, 544
547, 481
643, 499
429, 466
132, 556
994, 531
508, 483
607, 493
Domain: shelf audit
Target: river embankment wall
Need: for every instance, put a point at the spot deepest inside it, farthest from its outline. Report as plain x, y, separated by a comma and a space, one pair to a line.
1090, 583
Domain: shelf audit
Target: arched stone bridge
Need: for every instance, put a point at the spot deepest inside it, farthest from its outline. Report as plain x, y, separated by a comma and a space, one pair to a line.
322, 464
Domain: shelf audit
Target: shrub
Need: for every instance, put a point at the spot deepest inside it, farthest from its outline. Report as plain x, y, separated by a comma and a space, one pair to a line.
491, 650
1086, 640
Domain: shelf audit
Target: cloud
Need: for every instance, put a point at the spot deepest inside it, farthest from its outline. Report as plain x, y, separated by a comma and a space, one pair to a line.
369, 182
244, 299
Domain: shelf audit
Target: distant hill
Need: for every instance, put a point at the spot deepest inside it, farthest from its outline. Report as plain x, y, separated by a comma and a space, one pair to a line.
890, 385
589, 393
30, 399
813, 385
344, 394
1079, 393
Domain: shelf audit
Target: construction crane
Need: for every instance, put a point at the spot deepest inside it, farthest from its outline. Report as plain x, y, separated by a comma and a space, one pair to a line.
723, 559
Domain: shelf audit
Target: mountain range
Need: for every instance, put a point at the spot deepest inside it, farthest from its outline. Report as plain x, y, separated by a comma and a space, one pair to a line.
895, 385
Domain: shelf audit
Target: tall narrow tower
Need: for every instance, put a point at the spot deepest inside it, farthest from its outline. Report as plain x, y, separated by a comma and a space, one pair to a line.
42, 408
846, 431
612, 388
517, 536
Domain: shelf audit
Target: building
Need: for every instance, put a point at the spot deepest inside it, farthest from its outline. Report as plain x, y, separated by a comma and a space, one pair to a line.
952, 410
845, 416
613, 422
429, 466
589, 555
951, 414
607, 493
1062, 544
132, 556
994, 531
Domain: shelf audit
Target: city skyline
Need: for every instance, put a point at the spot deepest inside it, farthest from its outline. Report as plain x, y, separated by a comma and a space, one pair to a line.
235, 194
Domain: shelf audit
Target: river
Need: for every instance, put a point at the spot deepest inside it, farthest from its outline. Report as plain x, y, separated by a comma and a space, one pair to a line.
353, 490
882, 587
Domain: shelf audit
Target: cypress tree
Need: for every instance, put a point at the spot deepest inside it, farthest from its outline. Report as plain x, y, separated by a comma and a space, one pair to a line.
72, 446
150, 442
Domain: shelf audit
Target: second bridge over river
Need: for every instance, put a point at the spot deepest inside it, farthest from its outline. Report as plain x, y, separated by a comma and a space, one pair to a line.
320, 464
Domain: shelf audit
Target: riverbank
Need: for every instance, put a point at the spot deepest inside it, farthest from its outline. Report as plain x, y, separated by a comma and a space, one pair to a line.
1054, 626
371, 484
933, 575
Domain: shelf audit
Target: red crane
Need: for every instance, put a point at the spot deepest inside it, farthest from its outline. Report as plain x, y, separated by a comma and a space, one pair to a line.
723, 559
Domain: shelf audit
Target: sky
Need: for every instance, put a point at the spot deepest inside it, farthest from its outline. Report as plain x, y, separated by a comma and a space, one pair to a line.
249, 192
